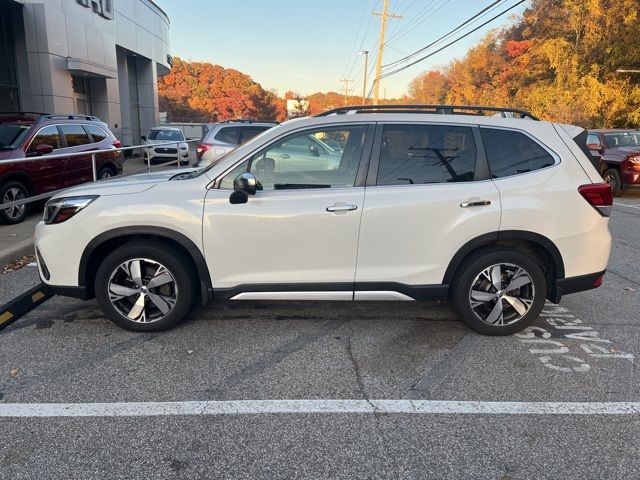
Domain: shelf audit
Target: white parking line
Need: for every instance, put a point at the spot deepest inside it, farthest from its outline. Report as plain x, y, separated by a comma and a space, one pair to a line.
253, 407
626, 205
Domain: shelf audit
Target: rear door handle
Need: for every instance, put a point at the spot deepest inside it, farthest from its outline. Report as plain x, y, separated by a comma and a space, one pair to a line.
342, 208
286, 155
478, 203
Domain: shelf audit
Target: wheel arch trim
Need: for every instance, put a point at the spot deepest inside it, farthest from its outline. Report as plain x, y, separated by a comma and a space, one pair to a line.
191, 248
493, 237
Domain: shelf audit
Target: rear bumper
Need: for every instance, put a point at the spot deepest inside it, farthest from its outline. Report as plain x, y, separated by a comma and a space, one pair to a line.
567, 286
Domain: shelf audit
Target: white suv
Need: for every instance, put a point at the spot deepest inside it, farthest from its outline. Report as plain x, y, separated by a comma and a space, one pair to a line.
494, 213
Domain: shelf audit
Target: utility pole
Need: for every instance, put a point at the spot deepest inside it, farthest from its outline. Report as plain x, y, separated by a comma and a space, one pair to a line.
346, 89
383, 28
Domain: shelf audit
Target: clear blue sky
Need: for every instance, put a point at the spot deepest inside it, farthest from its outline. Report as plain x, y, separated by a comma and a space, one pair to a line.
307, 45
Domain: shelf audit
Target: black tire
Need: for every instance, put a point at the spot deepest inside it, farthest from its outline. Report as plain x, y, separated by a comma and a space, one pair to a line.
612, 177
106, 172
10, 190
176, 264
471, 269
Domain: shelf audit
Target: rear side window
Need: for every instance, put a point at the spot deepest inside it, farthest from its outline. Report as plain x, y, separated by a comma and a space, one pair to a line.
229, 135
419, 154
47, 135
75, 135
96, 132
593, 139
249, 132
511, 153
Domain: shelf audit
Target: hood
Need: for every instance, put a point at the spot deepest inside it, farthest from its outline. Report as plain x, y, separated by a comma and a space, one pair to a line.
155, 142
627, 150
124, 185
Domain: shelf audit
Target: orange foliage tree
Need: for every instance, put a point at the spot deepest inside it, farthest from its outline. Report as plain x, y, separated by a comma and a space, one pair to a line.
206, 92
559, 60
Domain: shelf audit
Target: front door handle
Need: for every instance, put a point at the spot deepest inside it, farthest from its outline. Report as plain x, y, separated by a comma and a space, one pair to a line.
286, 155
342, 208
478, 203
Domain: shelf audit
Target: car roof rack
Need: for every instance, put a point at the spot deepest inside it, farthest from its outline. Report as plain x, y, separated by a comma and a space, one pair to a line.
432, 109
71, 117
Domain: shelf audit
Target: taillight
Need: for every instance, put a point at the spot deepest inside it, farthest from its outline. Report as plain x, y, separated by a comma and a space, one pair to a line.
599, 196
200, 149
117, 144
634, 164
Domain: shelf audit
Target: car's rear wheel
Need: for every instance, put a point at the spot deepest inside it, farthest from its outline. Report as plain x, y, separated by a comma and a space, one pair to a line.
498, 291
10, 192
612, 177
145, 287
106, 172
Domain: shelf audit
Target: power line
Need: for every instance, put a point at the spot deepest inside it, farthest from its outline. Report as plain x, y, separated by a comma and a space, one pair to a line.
449, 33
420, 18
355, 40
393, 72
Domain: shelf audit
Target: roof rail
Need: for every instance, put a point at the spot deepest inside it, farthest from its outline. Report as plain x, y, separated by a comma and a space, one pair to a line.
434, 109
72, 117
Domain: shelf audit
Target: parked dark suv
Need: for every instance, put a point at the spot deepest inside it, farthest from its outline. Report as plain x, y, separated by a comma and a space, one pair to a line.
616, 155
31, 135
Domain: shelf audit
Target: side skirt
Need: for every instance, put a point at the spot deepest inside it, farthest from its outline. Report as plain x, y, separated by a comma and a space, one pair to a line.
387, 291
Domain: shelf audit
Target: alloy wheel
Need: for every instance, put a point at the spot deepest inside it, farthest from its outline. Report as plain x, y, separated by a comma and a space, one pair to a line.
501, 294
12, 195
611, 180
143, 290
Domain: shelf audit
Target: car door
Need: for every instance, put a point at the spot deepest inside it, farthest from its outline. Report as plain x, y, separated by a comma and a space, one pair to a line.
428, 193
299, 233
46, 175
78, 168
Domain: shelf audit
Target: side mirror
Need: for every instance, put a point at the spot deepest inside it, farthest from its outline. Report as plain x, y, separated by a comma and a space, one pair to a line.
244, 185
596, 147
143, 137
43, 149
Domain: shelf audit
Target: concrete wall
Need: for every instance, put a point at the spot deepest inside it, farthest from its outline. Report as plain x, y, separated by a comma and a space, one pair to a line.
64, 37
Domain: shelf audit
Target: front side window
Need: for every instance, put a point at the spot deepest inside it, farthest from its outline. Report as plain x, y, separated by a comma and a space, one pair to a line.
301, 161
229, 135
419, 154
75, 135
48, 136
512, 153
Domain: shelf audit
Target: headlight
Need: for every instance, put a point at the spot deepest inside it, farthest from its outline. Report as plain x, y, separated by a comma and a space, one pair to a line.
635, 160
61, 209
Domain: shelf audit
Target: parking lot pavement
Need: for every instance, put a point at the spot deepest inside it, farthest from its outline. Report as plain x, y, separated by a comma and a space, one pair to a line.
66, 352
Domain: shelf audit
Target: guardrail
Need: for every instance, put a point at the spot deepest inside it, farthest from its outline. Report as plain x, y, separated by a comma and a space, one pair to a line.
93, 154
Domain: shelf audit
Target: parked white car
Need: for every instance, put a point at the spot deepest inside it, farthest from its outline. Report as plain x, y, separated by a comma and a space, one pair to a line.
494, 213
165, 153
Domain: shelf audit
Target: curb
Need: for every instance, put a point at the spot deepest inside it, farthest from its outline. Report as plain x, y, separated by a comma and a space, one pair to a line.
15, 251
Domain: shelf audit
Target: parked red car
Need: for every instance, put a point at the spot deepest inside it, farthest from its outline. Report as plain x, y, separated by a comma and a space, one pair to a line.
31, 135
616, 155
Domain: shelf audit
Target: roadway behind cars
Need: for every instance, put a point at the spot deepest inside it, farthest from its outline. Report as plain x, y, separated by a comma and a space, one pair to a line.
585, 351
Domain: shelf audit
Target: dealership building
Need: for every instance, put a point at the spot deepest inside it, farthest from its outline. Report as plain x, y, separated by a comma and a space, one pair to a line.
93, 57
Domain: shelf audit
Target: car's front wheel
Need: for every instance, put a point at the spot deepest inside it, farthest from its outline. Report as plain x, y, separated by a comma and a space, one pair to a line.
145, 287
498, 291
13, 191
612, 177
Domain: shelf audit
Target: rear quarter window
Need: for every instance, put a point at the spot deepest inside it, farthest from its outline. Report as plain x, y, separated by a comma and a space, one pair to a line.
512, 153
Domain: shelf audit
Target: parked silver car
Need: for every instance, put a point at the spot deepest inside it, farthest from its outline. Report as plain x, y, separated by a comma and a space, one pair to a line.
223, 137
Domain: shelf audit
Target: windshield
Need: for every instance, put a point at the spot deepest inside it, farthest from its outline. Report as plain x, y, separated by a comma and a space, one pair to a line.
165, 135
623, 139
11, 134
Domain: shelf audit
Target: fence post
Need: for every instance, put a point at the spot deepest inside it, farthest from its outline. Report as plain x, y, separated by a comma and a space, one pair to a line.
146, 154
93, 166
178, 154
